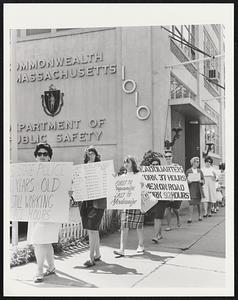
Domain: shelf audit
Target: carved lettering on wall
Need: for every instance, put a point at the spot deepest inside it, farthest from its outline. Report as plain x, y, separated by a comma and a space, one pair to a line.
66, 131
66, 67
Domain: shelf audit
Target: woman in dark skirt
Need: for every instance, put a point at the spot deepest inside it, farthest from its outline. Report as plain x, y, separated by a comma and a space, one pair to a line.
195, 188
91, 213
131, 218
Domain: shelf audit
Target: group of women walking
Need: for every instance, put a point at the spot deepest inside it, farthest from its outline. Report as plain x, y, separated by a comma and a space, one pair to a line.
91, 212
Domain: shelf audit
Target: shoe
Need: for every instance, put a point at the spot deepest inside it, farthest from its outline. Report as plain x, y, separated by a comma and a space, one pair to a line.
97, 258
38, 278
200, 219
209, 215
189, 221
179, 225
48, 272
119, 253
89, 264
155, 240
167, 229
204, 216
140, 249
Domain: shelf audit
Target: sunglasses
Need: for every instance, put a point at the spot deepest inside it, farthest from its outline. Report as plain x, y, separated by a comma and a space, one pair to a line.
126, 161
42, 154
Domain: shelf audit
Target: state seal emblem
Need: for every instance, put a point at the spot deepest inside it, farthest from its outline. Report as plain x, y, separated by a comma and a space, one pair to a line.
52, 101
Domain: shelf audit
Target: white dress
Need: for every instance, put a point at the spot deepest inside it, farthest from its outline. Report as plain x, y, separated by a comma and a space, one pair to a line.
42, 232
209, 187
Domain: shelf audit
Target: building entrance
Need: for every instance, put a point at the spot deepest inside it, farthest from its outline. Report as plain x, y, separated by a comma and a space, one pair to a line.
192, 142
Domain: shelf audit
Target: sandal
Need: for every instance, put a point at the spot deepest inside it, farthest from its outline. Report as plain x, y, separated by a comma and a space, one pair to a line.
200, 219
48, 272
97, 258
156, 240
118, 253
38, 278
89, 264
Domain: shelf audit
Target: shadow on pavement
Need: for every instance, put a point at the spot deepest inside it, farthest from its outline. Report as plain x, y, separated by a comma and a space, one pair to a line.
70, 253
150, 256
56, 280
105, 268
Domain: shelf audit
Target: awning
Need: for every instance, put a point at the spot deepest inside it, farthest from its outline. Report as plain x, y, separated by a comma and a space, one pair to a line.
192, 111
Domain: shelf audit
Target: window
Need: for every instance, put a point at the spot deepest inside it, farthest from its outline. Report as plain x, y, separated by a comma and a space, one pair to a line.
212, 132
37, 31
213, 64
185, 33
179, 90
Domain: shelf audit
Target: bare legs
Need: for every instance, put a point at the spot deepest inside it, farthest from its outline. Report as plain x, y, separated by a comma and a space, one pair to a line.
157, 228
168, 216
94, 244
124, 236
207, 208
140, 234
44, 252
191, 212
123, 241
190, 208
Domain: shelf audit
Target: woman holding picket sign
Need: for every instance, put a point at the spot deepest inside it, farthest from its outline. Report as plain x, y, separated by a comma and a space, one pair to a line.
195, 187
152, 158
131, 218
43, 234
91, 214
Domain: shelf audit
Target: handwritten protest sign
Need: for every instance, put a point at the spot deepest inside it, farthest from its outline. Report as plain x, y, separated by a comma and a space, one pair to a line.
125, 193
92, 180
147, 201
39, 191
166, 182
194, 177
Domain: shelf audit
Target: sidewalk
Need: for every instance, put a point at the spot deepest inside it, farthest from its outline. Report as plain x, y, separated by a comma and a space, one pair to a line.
192, 256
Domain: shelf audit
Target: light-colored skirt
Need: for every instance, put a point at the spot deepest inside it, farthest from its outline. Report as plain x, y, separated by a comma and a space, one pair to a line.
209, 189
42, 232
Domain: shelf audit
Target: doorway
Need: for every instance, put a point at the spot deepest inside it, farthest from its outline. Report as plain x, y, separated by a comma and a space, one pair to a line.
192, 142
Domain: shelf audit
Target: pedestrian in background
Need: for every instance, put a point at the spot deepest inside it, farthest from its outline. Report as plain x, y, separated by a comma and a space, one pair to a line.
171, 205
195, 188
221, 181
43, 234
209, 187
91, 213
131, 218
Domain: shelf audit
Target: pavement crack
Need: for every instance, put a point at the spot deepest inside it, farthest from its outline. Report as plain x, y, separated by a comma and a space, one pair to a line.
155, 269
193, 243
196, 268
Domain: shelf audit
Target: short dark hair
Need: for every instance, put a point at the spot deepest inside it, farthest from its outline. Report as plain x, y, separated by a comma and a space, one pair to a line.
209, 159
221, 166
133, 163
122, 170
45, 146
91, 149
151, 156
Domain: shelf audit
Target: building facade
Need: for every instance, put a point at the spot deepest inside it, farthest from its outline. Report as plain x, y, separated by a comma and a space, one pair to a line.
125, 90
